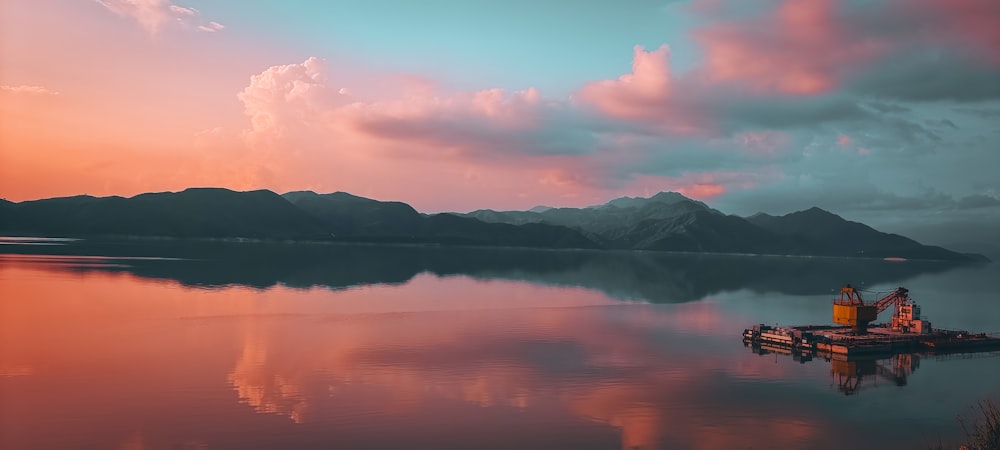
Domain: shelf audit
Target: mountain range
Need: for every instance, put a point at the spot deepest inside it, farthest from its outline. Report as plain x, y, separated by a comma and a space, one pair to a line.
667, 221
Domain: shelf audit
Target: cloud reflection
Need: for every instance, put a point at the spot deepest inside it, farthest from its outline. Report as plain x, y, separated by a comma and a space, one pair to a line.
612, 367
442, 361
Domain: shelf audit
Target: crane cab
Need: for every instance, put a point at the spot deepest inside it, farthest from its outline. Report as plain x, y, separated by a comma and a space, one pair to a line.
850, 309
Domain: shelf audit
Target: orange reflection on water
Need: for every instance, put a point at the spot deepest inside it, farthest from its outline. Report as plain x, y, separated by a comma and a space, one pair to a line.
113, 359
549, 361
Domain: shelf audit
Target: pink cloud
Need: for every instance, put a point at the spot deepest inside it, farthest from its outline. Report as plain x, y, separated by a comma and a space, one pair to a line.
499, 143
503, 110
478, 124
575, 176
298, 102
631, 95
843, 140
154, 15
708, 184
815, 47
311, 133
28, 89
798, 48
648, 93
702, 191
699, 185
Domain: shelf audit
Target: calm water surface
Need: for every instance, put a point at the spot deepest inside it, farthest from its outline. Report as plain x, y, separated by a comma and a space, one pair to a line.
221, 346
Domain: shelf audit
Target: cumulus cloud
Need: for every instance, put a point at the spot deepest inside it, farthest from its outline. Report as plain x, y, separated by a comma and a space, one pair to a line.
467, 123
552, 143
155, 15
290, 102
287, 96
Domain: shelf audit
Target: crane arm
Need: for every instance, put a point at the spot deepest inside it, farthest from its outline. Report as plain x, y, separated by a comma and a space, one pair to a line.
897, 297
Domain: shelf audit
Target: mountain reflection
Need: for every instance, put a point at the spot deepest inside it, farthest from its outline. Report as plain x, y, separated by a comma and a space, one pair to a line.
649, 276
133, 351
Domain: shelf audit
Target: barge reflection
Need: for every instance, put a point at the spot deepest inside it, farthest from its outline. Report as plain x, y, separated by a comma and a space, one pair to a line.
852, 374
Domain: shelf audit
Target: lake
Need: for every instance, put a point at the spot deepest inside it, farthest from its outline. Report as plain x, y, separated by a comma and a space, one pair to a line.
212, 345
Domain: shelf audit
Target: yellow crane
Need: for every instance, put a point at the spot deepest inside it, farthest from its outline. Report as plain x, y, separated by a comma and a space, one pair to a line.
850, 309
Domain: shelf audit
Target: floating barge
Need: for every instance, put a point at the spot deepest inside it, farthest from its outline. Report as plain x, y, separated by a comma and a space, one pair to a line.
855, 335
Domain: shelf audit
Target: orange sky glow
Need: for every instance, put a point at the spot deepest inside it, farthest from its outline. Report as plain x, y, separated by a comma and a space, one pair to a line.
117, 97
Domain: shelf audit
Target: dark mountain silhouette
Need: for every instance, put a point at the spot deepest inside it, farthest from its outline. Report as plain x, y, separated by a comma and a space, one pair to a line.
195, 212
667, 221
349, 215
815, 231
700, 231
222, 213
453, 229
627, 222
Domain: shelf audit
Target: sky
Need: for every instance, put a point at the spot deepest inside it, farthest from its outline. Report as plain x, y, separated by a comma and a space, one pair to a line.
887, 112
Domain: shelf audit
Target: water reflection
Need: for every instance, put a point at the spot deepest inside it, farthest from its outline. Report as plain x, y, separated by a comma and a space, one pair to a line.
855, 373
620, 368
648, 276
32, 240
461, 355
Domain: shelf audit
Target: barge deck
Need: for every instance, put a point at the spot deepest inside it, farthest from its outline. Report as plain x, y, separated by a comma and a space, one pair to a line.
855, 335
879, 339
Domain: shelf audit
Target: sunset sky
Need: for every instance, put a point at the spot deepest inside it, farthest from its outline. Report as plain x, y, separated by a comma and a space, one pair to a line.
886, 111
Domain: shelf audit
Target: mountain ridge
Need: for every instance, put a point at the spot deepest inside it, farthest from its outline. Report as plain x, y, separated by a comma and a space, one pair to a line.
666, 221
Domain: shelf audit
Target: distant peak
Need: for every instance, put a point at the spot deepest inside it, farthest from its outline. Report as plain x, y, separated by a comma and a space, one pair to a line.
815, 210
219, 191
815, 213
344, 195
540, 209
669, 196
207, 189
666, 197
